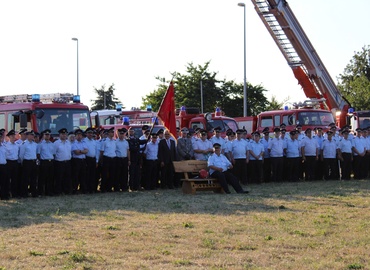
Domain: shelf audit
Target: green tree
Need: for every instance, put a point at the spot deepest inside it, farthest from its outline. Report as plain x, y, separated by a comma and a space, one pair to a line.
354, 83
274, 104
105, 98
227, 95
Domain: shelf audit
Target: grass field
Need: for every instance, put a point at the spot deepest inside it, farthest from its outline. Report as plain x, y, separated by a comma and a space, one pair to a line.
306, 225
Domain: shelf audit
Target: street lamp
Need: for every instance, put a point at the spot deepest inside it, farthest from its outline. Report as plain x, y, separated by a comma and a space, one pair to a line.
245, 69
78, 91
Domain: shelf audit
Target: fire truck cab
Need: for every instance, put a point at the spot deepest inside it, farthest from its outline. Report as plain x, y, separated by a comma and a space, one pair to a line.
307, 116
46, 111
192, 118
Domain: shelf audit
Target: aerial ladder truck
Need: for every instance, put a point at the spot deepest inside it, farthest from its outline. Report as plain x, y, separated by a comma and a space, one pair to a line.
302, 57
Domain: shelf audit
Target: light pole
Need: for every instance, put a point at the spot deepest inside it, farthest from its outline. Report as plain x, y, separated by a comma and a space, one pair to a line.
245, 69
201, 95
78, 91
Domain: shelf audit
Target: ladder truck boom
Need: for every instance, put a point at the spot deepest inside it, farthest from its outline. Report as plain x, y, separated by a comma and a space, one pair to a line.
301, 55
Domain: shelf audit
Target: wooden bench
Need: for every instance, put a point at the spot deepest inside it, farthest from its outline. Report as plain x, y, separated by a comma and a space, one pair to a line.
191, 185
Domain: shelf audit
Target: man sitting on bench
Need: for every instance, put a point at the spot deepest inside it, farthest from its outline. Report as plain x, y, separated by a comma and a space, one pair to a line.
219, 167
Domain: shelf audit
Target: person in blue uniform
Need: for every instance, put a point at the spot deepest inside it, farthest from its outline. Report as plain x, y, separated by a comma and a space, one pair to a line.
266, 155
45, 153
255, 158
310, 155
292, 150
151, 166
108, 155
28, 156
345, 155
276, 150
79, 151
220, 168
12, 164
4, 179
92, 160
122, 161
62, 169
329, 157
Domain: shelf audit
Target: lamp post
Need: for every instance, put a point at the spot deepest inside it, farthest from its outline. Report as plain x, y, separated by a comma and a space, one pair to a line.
78, 91
201, 95
245, 69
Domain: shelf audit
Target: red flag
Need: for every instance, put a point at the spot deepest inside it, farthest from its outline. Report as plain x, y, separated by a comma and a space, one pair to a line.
167, 110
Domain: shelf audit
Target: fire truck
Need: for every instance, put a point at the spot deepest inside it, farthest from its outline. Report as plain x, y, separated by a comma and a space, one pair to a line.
305, 62
192, 118
38, 112
134, 118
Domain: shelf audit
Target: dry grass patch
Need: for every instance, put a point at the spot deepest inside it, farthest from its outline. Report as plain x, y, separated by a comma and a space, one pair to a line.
313, 225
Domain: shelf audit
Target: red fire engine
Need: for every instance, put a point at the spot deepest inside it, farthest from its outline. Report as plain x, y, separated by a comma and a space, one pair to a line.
45, 111
192, 118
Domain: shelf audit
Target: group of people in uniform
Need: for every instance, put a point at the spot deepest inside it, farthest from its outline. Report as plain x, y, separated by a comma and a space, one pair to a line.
95, 161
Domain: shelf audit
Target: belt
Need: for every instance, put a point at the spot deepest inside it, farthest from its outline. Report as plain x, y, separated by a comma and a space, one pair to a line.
47, 160
33, 160
10, 160
108, 157
63, 161
90, 157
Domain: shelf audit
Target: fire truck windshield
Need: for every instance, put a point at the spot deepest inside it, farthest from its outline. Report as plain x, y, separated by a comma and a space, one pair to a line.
315, 118
55, 119
224, 124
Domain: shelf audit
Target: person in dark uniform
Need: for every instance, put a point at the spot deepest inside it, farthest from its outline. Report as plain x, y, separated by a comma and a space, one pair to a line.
166, 155
28, 156
12, 165
134, 167
45, 153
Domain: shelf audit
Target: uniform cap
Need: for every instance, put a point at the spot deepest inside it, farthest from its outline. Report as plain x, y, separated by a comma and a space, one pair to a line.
239, 131
11, 132
282, 125
22, 131
30, 132
298, 126
89, 129
358, 129
122, 130
160, 131
63, 130
110, 130
184, 130
308, 130
266, 130
217, 129
276, 129
78, 131
46, 131
293, 132
216, 145
144, 127
256, 133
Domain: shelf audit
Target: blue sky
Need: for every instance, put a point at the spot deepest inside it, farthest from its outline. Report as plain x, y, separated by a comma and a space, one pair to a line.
129, 43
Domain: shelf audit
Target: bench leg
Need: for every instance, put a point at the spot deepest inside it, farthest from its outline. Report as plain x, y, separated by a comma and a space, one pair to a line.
187, 188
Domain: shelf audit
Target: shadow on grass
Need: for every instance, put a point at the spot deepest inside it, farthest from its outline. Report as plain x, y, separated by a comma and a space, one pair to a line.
262, 198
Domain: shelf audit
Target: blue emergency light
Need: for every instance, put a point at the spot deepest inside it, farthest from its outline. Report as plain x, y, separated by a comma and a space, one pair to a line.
148, 108
76, 99
35, 98
126, 120
119, 107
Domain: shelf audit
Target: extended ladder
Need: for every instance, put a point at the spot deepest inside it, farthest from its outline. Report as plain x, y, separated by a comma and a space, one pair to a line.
299, 52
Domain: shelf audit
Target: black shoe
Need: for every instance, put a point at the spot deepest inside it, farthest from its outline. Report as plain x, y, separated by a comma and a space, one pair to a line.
243, 192
227, 192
